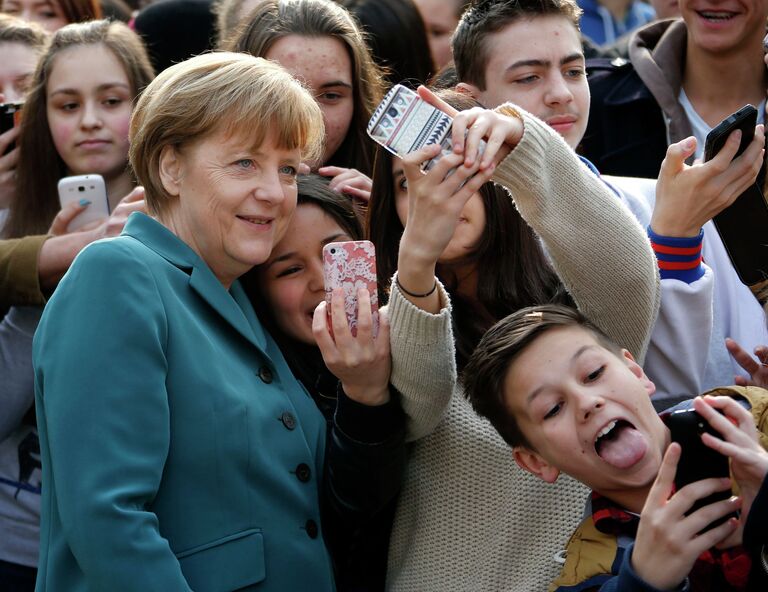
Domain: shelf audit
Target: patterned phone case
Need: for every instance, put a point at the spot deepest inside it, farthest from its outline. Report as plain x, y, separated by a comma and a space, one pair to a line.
351, 265
403, 122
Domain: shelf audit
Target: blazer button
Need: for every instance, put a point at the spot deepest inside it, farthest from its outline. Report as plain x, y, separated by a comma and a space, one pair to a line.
312, 529
265, 374
289, 421
303, 473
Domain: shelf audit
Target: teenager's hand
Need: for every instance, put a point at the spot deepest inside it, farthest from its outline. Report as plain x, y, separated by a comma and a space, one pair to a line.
757, 369
500, 132
362, 363
749, 461
668, 542
687, 197
8, 164
348, 181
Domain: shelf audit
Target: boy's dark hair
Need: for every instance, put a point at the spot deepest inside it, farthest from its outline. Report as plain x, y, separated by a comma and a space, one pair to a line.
484, 17
487, 369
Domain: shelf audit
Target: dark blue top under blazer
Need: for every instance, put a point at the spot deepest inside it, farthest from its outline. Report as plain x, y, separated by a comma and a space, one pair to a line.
178, 450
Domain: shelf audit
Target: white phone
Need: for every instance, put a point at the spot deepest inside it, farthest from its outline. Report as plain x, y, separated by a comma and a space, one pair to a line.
88, 187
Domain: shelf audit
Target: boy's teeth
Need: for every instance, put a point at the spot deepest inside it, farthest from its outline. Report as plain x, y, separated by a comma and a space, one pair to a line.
606, 430
716, 15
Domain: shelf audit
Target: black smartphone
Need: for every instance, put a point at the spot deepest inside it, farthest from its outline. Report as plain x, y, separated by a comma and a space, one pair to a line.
743, 226
697, 460
10, 116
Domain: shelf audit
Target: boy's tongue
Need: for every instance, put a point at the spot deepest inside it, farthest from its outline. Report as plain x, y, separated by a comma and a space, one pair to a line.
623, 447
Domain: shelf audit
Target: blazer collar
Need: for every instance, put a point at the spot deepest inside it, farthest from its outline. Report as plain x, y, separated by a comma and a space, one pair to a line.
233, 305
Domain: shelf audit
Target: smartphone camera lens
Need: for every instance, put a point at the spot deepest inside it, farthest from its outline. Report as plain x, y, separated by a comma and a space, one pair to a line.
333, 251
81, 188
392, 112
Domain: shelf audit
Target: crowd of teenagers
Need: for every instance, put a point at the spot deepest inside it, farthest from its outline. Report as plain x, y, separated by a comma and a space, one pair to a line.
183, 405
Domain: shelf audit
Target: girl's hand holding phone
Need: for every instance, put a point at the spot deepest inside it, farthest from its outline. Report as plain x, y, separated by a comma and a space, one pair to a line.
362, 363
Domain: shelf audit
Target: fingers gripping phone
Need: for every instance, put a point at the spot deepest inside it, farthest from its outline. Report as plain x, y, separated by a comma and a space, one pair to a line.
697, 460
87, 187
404, 122
351, 265
10, 116
743, 226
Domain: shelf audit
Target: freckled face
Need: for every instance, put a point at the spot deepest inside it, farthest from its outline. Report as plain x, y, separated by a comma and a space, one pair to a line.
89, 103
16, 69
324, 65
292, 279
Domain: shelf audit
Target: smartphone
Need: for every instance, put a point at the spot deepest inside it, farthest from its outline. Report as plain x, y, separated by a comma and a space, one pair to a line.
404, 122
743, 226
351, 265
697, 460
90, 187
10, 116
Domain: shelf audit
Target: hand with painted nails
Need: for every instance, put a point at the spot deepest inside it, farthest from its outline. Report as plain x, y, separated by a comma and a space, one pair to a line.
687, 197
757, 369
669, 541
361, 362
348, 181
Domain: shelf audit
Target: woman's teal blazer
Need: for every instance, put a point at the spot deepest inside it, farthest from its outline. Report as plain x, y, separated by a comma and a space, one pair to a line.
178, 450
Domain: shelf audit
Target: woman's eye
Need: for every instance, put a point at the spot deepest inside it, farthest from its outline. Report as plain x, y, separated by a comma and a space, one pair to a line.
245, 163
113, 101
553, 411
402, 184
289, 170
68, 106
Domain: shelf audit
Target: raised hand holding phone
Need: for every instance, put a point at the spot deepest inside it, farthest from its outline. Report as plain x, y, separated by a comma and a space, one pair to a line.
88, 191
361, 362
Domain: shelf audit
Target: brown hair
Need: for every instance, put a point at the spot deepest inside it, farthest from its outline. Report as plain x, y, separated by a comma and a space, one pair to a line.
40, 166
271, 20
205, 94
77, 11
485, 17
16, 30
486, 372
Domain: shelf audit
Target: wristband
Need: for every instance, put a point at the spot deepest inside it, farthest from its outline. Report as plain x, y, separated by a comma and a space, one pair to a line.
413, 294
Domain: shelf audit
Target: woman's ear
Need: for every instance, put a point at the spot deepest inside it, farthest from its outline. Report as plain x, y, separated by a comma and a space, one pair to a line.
638, 371
170, 170
530, 461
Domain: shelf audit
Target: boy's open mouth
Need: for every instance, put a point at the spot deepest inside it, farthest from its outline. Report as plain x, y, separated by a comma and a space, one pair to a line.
716, 16
620, 444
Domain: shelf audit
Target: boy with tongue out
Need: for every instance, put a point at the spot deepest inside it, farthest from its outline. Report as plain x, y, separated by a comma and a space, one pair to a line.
569, 400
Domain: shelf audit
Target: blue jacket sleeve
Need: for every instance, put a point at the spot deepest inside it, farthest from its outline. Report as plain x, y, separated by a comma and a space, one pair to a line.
104, 421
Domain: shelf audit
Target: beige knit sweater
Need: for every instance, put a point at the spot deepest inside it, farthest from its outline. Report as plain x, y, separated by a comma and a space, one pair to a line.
468, 517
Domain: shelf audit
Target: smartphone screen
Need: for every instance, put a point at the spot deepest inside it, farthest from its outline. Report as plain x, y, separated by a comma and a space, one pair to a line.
743, 226
351, 265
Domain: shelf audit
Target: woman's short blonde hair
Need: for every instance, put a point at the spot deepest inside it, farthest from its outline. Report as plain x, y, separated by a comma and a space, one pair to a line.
221, 91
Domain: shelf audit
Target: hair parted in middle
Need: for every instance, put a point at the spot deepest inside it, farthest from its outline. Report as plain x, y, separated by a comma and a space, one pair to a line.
485, 374
205, 95
271, 20
40, 166
485, 17
16, 30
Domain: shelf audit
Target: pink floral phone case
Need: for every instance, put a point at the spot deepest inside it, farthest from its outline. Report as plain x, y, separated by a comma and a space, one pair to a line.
351, 265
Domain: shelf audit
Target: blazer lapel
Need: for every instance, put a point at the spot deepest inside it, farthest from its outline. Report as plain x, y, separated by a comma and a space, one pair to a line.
210, 289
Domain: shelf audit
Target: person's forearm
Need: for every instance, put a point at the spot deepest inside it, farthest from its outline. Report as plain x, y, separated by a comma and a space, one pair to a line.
56, 256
